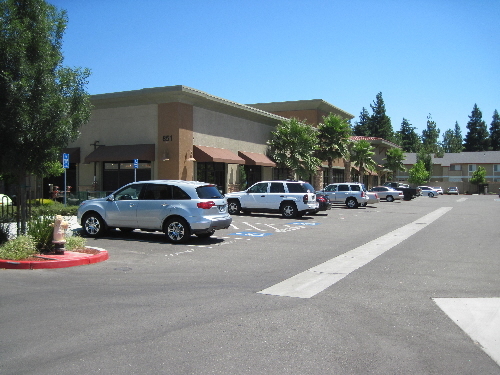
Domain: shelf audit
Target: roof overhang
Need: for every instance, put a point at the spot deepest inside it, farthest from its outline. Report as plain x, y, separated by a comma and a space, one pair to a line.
252, 158
216, 155
122, 153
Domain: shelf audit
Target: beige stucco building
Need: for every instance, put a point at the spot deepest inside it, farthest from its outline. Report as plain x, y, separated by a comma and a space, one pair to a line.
177, 132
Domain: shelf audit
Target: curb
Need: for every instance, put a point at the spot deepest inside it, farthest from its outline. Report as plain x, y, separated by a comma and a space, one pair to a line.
68, 259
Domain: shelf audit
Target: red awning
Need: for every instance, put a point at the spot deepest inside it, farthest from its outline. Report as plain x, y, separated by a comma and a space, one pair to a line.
252, 158
216, 155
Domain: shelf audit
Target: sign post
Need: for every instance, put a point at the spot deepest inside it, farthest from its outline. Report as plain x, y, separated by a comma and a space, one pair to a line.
136, 165
65, 166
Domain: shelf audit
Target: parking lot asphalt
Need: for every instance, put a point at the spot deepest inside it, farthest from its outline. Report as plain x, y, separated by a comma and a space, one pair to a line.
199, 308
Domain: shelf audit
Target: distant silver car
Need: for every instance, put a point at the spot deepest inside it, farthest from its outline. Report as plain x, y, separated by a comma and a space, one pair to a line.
387, 193
429, 191
178, 208
452, 190
372, 199
439, 189
352, 194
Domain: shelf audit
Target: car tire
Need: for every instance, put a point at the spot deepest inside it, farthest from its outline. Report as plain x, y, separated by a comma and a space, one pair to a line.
389, 198
93, 224
233, 207
206, 234
351, 203
177, 230
289, 210
431, 195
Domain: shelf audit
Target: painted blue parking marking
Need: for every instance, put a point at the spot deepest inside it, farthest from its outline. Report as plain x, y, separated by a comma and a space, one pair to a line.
250, 234
303, 223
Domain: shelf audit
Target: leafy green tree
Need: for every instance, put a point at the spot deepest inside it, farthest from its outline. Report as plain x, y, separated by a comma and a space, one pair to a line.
42, 103
477, 136
452, 140
379, 124
409, 139
418, 174
495, 132
478, 177
333, 137
361, 127
362, 157
394, 160
293, 145
430, 136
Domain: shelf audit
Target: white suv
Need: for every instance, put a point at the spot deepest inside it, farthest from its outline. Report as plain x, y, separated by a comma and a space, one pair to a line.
352, 194
290, 198
178, 208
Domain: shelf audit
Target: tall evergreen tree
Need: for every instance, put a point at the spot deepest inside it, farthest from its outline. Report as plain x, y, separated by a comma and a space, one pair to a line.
379, 124
430, 136
409, 139
495, 132
452, 140
361, 127
477, 136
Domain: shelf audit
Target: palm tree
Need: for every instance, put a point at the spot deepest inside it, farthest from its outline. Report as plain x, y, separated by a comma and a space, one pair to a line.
394, 160
292, 146
334, 133
362, 157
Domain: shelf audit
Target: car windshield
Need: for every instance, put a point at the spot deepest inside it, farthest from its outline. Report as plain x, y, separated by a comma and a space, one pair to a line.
208, 192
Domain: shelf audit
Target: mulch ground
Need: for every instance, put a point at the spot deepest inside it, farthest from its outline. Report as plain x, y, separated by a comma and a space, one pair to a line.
45, 257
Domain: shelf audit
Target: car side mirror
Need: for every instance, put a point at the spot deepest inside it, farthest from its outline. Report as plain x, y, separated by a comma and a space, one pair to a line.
110, 198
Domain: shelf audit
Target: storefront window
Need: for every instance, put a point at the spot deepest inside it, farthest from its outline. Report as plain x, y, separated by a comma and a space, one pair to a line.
213, 173
117, 174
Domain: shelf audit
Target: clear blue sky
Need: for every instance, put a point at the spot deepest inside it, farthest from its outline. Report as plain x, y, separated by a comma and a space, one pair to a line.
429, 56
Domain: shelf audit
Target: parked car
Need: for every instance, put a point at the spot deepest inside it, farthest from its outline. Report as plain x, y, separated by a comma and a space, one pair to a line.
5, 200
178, 208
323, 201
352, 194
290, 198
429, 191
408, 192
452, 190
387, 193
439, 189
372, 199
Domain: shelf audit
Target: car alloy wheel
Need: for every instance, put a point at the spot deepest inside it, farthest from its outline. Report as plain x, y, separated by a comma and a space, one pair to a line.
177, 230
233, 207
93, 225
289, 210
431, 194
352, 203
390, 198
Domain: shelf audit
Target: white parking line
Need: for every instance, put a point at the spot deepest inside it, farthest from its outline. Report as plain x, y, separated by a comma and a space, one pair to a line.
313, 281
477, 317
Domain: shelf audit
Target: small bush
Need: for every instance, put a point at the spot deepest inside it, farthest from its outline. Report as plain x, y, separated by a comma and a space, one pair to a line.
4, 233
41, 231
54, 209
75, 243
41, 202
18, 248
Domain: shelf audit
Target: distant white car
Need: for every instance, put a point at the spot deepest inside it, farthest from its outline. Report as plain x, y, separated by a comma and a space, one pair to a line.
5, 200
439, 189
387, 193
372, 199
429, 191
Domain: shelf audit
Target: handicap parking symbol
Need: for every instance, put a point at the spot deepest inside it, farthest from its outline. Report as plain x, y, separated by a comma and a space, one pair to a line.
250, 234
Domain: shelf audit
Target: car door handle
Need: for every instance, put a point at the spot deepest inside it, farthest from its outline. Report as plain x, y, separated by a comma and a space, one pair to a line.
262, 196
164, 204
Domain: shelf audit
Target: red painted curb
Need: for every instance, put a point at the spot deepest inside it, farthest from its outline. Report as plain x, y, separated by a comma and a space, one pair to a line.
68, 259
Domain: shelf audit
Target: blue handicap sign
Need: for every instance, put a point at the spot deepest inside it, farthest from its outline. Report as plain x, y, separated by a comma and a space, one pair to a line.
250, 234
136, 163
303, 223
66, 161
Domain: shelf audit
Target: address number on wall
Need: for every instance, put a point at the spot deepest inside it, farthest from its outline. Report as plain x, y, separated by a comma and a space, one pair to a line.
168, 138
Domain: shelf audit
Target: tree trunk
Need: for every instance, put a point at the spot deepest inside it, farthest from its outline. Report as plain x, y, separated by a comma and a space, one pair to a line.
347, 171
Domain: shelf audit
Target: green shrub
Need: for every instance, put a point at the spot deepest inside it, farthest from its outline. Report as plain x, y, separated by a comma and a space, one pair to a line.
75, 243
41, 202
54, 209
41, 231
18, 248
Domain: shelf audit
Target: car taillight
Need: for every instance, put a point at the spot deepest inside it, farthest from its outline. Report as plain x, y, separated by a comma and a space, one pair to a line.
363, 194
206, 205
305, 198
376, 196
321, 199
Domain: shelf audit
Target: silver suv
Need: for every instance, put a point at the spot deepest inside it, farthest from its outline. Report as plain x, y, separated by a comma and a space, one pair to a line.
352, 194
178, 208
290, 198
